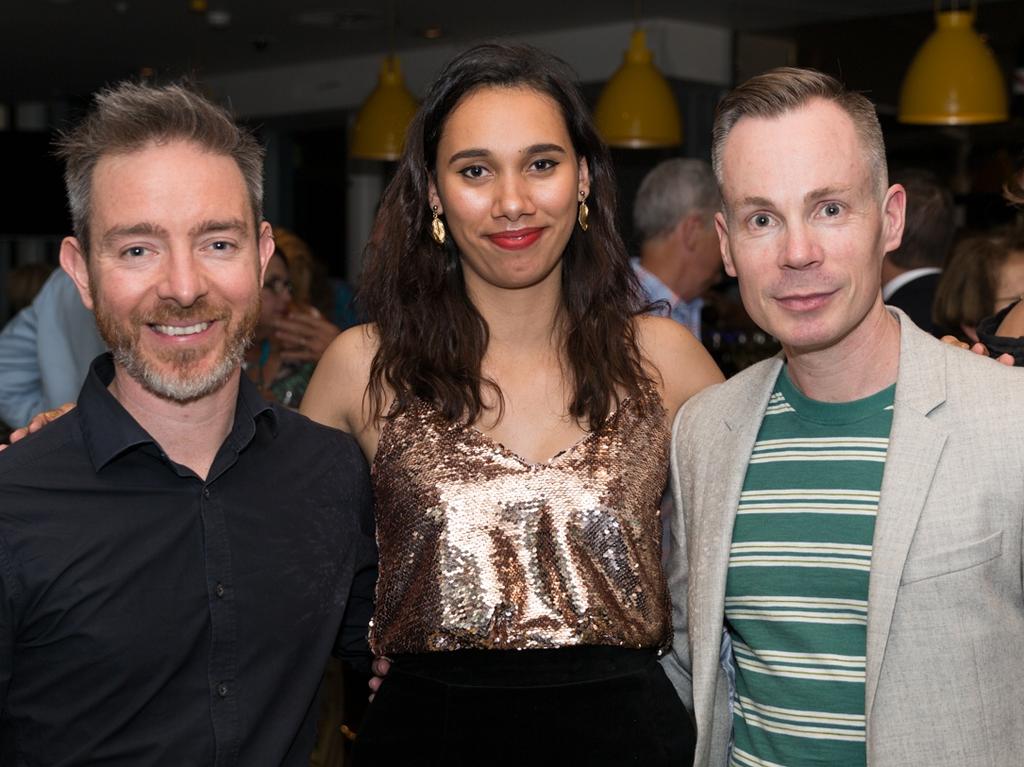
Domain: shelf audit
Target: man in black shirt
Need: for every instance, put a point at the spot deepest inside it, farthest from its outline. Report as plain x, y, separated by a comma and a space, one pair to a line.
177, 556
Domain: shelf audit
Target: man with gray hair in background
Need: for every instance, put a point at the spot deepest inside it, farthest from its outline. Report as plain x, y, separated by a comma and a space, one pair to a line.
674, 219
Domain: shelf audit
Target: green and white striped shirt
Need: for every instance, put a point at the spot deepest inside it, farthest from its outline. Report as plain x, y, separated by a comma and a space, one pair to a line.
797, 589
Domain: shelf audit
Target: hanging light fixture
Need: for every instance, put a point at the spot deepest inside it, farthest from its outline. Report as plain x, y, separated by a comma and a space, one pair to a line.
954, 78
379, 132
637, 108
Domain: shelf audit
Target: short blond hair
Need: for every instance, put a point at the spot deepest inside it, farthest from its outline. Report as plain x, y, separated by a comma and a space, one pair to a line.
786, 89
129, 116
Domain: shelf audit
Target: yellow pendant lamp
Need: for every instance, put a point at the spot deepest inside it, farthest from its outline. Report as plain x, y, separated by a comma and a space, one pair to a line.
637, 108
379, 132
954, 78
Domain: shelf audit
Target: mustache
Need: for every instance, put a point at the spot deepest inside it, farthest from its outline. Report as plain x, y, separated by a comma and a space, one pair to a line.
803, 283
170, 312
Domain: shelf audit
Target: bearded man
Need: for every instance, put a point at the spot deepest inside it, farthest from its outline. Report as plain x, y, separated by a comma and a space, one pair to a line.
177, 555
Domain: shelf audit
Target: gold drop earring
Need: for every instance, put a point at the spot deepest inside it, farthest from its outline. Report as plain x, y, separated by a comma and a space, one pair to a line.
437, 230
584, 212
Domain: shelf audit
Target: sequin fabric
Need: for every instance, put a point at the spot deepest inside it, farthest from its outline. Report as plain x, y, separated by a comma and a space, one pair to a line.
482, 549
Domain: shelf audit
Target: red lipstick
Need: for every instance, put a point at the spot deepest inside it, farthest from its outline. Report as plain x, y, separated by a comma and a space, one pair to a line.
516, 239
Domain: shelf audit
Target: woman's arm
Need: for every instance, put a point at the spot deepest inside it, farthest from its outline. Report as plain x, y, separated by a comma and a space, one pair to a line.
337, 392
682, 366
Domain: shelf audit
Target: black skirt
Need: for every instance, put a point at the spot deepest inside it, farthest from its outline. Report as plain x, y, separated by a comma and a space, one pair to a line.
572, 706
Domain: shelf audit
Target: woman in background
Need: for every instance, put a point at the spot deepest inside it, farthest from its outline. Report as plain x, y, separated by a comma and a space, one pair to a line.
277, 378
984, 275
307, 329
515, 405
1004, 333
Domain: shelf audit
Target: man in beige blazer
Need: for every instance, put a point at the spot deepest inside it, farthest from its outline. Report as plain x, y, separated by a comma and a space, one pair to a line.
807, 217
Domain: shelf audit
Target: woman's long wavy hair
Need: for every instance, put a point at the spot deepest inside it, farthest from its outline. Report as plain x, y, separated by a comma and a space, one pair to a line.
431, 337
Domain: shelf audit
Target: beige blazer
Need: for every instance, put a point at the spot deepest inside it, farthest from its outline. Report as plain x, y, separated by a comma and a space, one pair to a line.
945, 632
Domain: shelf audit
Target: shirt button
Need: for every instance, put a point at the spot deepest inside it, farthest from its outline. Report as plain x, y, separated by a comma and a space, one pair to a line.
222, 690
219, 590
206, 492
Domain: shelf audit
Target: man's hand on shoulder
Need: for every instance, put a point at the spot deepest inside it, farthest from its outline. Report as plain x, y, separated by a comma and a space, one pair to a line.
39, 421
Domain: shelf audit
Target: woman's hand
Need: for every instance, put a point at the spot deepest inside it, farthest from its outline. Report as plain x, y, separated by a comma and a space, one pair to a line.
380, 667
304, 335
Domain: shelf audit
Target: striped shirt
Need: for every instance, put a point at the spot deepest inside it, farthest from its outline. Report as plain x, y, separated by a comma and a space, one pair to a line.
797, 588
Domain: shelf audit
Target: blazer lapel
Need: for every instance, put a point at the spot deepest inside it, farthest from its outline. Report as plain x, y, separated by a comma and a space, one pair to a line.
915, 446
724, 469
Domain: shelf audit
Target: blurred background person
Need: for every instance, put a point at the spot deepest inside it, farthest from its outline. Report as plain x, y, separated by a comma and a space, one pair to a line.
1009, 280
331, 296
45, 351
910, 274
23, 284
321, 307
1004, 333
277, 378
984, 274
673, 215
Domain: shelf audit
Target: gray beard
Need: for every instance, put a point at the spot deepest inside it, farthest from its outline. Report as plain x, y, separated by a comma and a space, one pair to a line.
178, 385
183, 388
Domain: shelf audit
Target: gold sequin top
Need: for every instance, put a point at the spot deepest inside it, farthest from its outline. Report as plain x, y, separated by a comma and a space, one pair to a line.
482, 549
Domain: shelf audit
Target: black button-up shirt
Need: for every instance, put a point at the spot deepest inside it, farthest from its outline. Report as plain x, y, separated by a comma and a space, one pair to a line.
148, 617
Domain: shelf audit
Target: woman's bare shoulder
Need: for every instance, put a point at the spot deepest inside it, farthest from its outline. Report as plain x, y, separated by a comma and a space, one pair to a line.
335, 396
678, 361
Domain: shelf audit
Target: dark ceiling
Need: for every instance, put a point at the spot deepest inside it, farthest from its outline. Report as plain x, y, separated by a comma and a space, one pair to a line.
55, 49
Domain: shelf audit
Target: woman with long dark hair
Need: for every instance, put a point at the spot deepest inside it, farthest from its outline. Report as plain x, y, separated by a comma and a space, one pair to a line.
515, 404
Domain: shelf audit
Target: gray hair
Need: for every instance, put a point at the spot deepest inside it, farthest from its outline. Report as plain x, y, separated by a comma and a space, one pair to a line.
128, 116
786, 89
673, 189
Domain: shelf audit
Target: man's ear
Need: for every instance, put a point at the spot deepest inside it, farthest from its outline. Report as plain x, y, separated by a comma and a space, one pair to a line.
73, 261
265, 245
690, 228
894, 211
723, 244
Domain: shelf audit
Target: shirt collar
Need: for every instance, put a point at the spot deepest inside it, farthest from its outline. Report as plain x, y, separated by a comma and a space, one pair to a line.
900, 280
251, 405
110, 431
654, 288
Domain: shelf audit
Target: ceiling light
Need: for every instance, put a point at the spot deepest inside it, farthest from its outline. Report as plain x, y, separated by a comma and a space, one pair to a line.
954, 78
637, 108
379, 132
